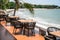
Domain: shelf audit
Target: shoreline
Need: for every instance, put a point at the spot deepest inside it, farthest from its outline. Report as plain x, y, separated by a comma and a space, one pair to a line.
37, 8
33, 8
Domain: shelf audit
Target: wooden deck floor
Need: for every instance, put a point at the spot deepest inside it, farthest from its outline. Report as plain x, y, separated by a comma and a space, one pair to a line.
5, 35
22, 37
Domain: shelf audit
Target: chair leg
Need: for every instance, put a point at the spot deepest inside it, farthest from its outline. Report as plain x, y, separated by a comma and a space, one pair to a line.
21, 30
0, 22
14, 31
33, 32
28, 32
24, 32
6, 24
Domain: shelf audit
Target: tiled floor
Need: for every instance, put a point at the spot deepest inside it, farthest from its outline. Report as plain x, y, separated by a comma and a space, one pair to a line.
18, 37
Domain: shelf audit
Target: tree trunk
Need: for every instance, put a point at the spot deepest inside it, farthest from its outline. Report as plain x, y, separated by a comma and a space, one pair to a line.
14, 12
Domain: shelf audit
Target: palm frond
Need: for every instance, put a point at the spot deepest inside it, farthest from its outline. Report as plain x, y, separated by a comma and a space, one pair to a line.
29, 6
5, 1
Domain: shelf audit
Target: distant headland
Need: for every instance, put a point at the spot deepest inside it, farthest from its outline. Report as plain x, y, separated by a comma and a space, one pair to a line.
11, 5
47, 6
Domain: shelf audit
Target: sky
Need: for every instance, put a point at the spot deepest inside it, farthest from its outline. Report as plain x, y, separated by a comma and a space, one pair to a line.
43, 2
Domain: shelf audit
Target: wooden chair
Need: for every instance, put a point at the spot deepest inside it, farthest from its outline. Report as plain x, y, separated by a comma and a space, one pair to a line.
29, 28
51, 29
7, 19
13, 19
1, 18
17, 25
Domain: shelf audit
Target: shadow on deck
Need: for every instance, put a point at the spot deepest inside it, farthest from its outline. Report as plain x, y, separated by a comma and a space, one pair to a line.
5, 35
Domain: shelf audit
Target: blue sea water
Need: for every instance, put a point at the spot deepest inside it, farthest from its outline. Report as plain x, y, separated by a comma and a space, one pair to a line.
47, 15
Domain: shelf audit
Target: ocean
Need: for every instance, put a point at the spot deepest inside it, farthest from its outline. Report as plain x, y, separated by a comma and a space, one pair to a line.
42, 16
49, 15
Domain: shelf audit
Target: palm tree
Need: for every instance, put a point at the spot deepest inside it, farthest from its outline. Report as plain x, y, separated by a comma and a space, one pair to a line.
26, 5
17, 5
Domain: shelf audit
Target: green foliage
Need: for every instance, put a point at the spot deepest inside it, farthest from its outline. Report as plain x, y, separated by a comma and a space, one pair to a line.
5, 1
29, 6
3, 4
45, 6
11, 5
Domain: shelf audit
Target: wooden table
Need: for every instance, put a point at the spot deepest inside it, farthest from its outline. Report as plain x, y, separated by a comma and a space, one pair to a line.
13, 16
56, 33
24, 21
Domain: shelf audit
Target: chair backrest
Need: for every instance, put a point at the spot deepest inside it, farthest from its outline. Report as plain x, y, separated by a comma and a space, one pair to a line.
17, 24
52, 29
0, 16
6, 15
7, 18
30, 25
